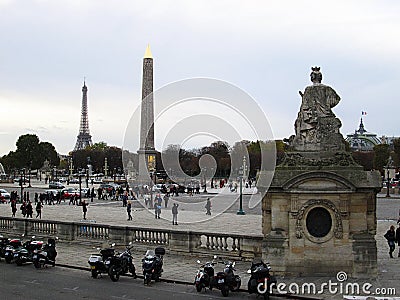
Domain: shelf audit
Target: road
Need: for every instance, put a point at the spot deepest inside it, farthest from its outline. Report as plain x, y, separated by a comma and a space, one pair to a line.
61, 283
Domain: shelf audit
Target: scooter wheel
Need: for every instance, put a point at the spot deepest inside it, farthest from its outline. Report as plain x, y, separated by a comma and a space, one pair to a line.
94, 274
8, 260
198, 288
113, 273
18, 263
266, 295
36, 264
225, 290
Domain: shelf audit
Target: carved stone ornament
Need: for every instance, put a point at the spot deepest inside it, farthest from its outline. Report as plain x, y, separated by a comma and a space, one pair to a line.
339, 159
337, 221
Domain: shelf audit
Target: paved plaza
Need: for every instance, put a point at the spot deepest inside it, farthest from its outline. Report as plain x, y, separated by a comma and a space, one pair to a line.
183, 268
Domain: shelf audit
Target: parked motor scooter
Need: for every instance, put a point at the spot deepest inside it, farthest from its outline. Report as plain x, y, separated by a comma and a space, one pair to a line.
204, 275
152, 264
121, 264
12, 245
100, 263
3, 244
45, 256
24, 254
226, 280
261, 280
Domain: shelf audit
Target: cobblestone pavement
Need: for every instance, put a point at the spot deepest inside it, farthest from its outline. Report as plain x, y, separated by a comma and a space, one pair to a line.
183, 268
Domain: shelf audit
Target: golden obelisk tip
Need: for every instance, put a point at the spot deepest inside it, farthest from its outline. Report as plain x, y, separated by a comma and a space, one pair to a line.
148, 54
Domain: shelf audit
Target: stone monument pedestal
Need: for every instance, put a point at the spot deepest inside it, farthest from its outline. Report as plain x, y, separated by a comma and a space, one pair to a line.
320, 222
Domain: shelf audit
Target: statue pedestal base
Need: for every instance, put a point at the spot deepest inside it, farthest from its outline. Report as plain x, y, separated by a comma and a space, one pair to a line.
320, 218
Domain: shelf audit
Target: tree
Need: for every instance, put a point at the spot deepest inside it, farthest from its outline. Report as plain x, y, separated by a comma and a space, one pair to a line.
382, 153
396, 149
49, 153
29, 152
365, 159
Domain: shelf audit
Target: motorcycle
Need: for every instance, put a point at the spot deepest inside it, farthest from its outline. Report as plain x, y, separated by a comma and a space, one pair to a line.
226, 280
261, 280
204, 275
24, 254
12, 245
152, 264
121, 264
100, 263
45, 256
3, 244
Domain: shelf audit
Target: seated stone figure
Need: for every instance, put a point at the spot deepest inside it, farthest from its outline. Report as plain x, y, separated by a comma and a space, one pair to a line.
316, 126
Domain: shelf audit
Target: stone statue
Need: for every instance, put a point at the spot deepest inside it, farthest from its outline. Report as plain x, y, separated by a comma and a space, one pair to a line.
316, 126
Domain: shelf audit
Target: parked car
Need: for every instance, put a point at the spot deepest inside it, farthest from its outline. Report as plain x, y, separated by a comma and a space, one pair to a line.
73, 180
108, 186
4, 196
56, 185
68, 192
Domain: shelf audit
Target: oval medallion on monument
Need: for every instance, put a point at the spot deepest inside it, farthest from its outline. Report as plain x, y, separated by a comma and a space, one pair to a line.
318, 222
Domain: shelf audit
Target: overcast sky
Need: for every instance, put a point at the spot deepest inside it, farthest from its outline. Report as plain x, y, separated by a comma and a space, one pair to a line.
265, 48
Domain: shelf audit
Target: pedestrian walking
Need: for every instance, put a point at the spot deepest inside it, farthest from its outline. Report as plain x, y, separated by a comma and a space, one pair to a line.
92, 193
398, 237
208, 207
166, 199
390, 236
129, 210
23, 208
39, 207
157, 210
13, 207
84, 209
29, 210
175, 214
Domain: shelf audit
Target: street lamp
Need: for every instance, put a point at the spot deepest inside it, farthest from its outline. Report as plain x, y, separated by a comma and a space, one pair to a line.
205, 180
21, 183
80, 185
242, 172
29, 178
388, 166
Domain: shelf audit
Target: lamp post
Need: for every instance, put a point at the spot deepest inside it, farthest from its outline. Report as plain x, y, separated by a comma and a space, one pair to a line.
29, 178
205, 180
21, 183
80, 185
388, 165
242, 172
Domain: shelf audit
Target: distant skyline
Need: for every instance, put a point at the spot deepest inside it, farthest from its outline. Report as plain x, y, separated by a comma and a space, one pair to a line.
265, 48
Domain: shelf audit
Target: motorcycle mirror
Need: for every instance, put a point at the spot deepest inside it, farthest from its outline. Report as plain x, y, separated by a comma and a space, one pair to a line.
23, 234
248, 271
113, 244
233, 264
33, 237
198, 261
130, 243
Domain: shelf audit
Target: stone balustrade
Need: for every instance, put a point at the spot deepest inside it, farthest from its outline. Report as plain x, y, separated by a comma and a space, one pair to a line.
183, 242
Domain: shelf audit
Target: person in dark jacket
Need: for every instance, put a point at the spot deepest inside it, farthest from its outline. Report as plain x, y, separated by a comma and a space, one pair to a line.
398, 237
390, 236
208, 207
84, 209
129, 210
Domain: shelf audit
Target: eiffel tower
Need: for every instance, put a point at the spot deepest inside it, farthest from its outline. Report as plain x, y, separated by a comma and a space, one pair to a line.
84, 137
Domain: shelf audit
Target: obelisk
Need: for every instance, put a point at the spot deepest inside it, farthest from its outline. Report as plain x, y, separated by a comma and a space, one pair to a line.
147, 153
